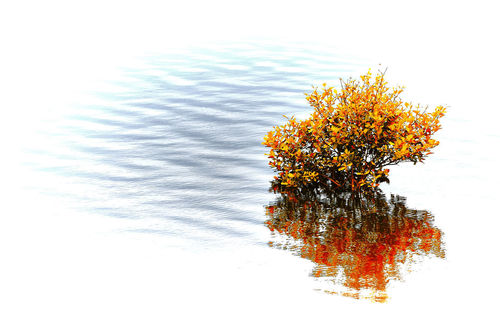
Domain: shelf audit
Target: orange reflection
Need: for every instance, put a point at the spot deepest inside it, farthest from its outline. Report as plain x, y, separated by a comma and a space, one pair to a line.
359, 242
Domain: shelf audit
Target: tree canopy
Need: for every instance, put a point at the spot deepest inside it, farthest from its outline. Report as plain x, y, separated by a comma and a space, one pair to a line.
351, 136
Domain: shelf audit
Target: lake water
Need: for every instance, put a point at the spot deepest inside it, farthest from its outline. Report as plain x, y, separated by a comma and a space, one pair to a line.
149, 191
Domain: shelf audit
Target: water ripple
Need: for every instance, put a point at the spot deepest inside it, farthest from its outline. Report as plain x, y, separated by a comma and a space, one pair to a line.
174, 141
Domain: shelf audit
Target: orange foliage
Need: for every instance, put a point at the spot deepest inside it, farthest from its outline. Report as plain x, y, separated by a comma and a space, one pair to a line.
351, 136
364, 238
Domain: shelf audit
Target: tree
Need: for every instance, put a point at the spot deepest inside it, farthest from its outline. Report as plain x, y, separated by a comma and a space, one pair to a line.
351, 136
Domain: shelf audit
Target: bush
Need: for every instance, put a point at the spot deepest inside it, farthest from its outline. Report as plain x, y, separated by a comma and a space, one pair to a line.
351, 136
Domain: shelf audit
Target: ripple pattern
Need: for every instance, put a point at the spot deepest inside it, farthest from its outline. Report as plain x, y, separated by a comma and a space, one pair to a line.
174, 143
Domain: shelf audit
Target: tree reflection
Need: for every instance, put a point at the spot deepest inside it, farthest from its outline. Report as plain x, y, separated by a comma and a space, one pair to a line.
361, 242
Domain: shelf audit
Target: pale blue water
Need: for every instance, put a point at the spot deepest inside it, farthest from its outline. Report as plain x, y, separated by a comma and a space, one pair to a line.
168, 151
179, 142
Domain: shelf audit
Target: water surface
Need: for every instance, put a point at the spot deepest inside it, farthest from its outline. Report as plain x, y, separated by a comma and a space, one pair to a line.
150, 189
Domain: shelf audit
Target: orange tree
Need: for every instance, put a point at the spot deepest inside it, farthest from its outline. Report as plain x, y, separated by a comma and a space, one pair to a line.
352, 134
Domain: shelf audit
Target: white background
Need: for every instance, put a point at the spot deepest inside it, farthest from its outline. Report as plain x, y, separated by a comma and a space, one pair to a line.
445, 52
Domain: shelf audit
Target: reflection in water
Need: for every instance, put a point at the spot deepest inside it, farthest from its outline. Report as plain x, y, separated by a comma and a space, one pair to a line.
358, 242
